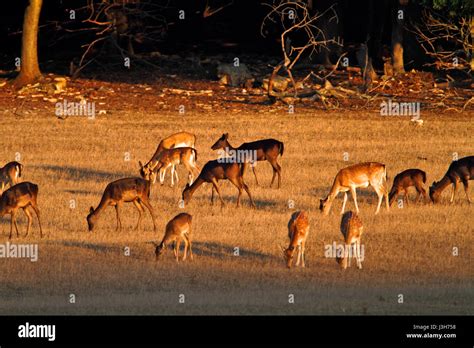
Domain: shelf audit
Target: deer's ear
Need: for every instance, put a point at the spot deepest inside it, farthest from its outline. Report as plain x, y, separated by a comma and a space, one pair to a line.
226, 135
140, 164
91, 210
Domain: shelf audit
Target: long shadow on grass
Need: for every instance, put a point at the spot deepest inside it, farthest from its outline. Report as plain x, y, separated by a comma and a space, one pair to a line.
83, 174
218, 250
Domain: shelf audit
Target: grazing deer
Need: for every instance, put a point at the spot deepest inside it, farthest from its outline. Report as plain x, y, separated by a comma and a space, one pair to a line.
461, 170
10, 174
406, 179
135, 190
178, 229
352, 177
212, 172
23, 195
298, 228
351, 229
177, 140
261, 150
172, 158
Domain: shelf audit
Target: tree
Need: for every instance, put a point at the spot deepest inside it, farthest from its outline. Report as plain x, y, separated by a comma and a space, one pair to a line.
29, 71
455, 25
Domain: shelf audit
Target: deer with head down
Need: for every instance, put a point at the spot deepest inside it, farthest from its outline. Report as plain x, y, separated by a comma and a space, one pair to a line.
127, 190
212, 172
406, 179
461, 170
298, 229
177, 140
177, 229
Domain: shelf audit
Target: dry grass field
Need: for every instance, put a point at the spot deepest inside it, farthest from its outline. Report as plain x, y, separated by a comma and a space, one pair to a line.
408, 251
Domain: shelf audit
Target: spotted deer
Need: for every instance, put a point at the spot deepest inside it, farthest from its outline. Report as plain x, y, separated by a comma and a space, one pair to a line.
298, 229
177, 229
351, 229
171, 159
177, 140
352, 177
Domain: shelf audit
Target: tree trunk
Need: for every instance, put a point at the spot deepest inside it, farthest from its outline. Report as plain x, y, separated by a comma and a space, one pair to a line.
398, 19
29, 71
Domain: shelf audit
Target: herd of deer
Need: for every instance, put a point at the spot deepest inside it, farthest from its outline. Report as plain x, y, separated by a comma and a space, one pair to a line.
180, 148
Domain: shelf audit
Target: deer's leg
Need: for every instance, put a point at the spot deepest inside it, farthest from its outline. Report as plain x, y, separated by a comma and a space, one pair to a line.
35, 208
162, 173
302, 253
253, 165
172, 175
186, 247
237, 183
455, 188
190, 250
13, 221
216, 187
380, 194
347, 253
176, 174
422, 193
354, 197
117, 211
465, 182
344, 201
246, 188
28, 215
177, 245
139, 207
405, 196
276, 170
359, 263
147, 204
175, 253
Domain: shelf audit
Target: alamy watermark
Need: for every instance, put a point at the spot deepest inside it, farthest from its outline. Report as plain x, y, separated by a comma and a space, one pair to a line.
237, 156
394, 108
23, 251
340, 251
82, 108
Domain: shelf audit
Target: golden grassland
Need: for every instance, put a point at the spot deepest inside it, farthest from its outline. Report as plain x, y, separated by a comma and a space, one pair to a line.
408, 251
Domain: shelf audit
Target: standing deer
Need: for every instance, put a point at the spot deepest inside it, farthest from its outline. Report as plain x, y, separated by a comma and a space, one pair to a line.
178, 229
10, 174
177, 140
212, 172
406, 179
298, 229
23, 195
172, 158
135, 190
351, 229
261, 150
459, 171
352, 177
